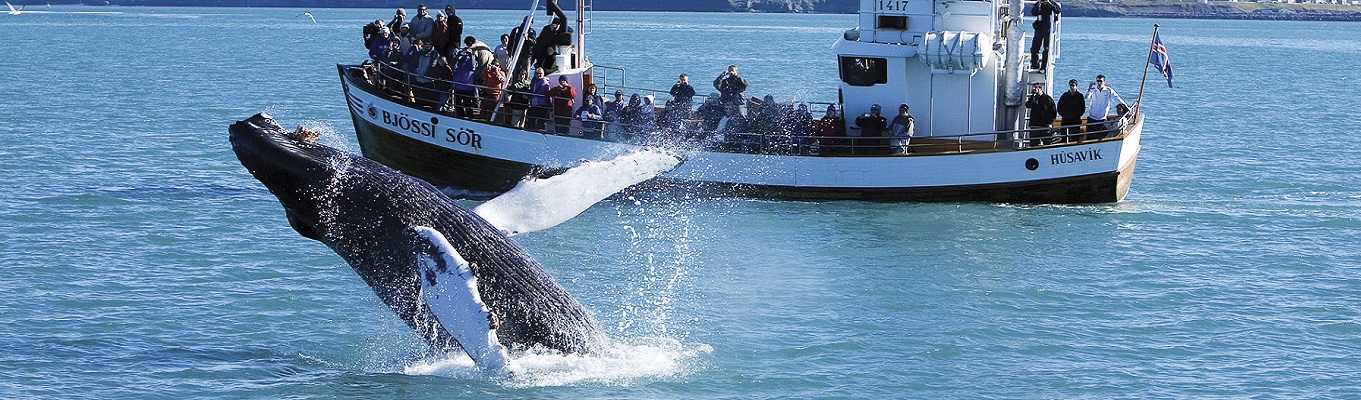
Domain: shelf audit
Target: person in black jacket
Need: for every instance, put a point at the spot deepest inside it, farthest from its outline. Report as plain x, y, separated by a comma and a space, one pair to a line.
1042, 113
872, 126
455, 32
1071, 107
732, 91
371, 33
1045, 12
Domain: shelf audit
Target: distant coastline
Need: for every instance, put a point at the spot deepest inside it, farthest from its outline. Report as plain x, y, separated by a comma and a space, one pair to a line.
1075, 8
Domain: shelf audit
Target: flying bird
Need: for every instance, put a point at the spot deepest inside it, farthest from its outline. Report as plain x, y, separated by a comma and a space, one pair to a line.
12, 11
309, 16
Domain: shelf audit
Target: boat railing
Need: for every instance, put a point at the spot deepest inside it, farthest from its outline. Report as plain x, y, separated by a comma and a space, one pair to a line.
787, 132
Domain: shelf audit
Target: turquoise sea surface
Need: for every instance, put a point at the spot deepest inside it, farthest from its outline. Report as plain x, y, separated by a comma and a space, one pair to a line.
138, 259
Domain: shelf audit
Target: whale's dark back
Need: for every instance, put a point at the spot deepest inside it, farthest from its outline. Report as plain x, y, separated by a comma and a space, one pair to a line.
366, 212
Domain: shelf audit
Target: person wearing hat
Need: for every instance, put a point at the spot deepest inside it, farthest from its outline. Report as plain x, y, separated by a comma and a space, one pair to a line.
872, 127
613, 110
563, 97
378, 44
1042, 113
1071, 106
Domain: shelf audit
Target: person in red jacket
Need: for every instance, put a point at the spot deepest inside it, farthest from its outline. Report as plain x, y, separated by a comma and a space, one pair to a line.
491, 88
441, 34
563, 97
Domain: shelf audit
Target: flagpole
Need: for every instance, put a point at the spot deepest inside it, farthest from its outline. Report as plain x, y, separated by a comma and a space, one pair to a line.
1140, 100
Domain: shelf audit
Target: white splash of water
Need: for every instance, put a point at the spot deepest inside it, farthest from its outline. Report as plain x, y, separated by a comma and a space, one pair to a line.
658, 359
537, 204
334, 187
659, 263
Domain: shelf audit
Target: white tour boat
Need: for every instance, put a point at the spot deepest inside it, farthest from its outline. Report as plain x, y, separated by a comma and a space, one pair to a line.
961, 66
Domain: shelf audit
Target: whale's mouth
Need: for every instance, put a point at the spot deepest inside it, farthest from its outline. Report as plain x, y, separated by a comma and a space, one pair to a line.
290, 167
263, 146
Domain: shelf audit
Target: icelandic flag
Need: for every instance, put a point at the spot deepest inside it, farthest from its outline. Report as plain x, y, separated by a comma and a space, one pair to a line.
1158, 58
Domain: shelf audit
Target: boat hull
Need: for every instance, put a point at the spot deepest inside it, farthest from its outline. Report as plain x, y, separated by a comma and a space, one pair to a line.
484, 157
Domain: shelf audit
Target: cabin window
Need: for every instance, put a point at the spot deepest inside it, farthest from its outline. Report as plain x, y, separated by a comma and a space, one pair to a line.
864, 71
898, 22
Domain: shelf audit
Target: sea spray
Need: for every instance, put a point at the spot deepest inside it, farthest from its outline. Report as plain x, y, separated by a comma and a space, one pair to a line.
536, 204
625, 363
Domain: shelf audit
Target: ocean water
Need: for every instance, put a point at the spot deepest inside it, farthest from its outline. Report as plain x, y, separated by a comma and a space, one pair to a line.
138, 259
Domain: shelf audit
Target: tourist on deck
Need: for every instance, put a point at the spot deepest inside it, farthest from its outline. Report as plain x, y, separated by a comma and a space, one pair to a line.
631, 117
391, 67
1102, 98
827, 133
455, 32
465, 87
710, 113
613, 111
591, 115
371, 33
481, 54
519, 98
404, 34
411, 60
397, 22
378, 45
871, 128
901, 130
424, 91
524, 51
423, 26
1045, 12
1071, 106
732, 90
441, 82
563, 97
502, 52
441, 35
539, 106
682, 94
591, 92
492, 80
678, 109
546, 43
800, 123
764, 124
648, 122
1042, 114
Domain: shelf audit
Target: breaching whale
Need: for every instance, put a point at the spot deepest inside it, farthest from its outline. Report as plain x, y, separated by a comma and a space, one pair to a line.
453, 277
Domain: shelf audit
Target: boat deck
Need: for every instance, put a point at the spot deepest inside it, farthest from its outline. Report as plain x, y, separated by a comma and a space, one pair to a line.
773, 135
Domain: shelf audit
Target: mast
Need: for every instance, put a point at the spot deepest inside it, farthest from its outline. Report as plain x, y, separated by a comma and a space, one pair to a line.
515, 58
1014, 87
579, 57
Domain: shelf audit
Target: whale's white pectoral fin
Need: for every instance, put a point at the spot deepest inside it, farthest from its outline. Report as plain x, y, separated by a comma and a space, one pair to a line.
538, 204
450, 291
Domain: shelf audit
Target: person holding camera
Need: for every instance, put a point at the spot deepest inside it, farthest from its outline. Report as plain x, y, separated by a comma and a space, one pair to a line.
1042, 114
1045, 12
732, 90
1102, 98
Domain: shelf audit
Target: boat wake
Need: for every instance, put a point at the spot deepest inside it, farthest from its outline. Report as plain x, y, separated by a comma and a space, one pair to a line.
649, 360
537, 204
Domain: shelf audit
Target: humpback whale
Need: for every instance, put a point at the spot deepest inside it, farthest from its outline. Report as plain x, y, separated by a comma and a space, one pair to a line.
454, 278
